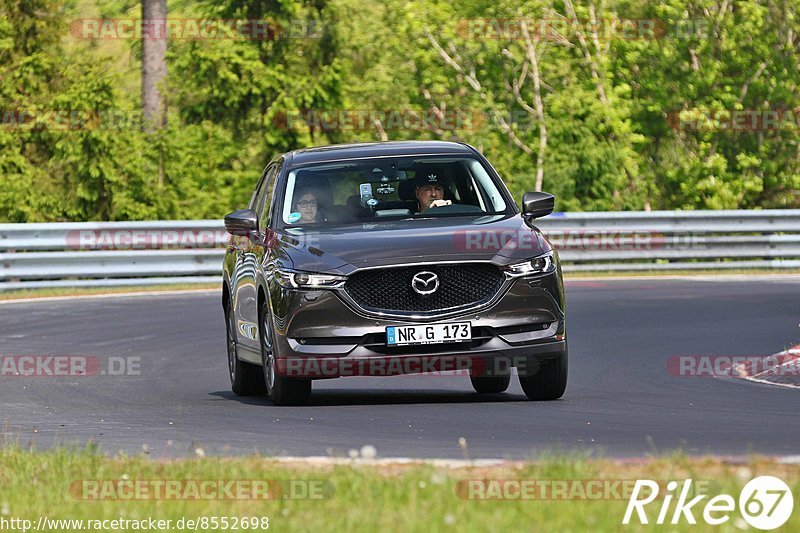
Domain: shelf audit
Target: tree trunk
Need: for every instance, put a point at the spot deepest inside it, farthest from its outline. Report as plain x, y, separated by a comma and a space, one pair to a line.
154, 62
154, 70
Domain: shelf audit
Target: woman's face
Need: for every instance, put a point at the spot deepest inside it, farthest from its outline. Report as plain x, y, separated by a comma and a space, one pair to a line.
307, 207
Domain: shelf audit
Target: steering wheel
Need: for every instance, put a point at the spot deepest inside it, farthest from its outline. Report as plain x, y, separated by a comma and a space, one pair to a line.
456, 208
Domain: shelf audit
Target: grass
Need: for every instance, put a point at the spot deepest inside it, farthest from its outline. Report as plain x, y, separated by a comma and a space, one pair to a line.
82, 291
363, 496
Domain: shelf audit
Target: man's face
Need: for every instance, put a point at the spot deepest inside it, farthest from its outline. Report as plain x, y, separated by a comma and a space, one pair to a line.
428, 193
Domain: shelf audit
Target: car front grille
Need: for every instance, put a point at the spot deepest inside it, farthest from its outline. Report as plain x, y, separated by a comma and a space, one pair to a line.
389, 290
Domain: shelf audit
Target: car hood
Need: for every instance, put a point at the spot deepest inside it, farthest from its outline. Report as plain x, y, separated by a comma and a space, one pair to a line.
500, 239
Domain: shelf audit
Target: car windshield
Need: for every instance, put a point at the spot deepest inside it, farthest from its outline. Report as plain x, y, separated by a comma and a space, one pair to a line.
369, 190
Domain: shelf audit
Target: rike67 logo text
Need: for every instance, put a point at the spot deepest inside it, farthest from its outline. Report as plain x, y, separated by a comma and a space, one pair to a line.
765, 503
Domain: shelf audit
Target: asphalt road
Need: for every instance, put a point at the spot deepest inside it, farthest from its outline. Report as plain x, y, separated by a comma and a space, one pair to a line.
620, 401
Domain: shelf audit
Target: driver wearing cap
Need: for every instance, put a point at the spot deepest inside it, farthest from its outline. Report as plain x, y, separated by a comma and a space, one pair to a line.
429, 189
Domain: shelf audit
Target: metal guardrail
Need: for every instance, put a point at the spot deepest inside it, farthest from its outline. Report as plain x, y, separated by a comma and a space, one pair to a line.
166, 252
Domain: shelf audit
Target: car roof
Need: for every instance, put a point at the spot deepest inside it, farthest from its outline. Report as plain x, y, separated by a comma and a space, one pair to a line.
336, 152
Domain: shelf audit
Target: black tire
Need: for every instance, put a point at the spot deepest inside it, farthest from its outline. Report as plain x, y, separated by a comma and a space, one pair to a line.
549, 382
281, 390
247, 379
490, 384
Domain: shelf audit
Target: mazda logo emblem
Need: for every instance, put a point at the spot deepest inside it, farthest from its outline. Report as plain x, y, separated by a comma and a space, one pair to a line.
425, 283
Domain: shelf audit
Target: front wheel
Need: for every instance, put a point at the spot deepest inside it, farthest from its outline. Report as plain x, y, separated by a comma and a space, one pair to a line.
246, 378
281, 390
549, 382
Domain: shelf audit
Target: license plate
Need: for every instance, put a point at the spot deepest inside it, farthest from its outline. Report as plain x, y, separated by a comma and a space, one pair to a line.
428, 334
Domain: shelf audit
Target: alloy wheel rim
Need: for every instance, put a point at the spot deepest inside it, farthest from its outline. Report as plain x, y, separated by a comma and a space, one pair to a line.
231, 348
269, 357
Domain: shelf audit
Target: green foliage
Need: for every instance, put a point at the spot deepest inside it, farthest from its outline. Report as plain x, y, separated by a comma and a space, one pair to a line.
618, 113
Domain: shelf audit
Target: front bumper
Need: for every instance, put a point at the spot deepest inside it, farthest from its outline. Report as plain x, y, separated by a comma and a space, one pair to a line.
319, 335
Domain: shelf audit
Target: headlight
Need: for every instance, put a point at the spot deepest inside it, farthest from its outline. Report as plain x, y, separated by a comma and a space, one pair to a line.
542, 264
308, 280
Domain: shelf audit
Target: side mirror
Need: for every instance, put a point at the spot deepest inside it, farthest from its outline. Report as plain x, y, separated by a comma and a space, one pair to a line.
537, 204
243, 222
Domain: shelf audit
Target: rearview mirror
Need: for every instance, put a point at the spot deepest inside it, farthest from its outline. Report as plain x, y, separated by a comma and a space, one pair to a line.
243, 222
537, 204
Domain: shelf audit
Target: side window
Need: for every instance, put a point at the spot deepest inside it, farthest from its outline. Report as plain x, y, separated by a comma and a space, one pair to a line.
258, 193
265, 202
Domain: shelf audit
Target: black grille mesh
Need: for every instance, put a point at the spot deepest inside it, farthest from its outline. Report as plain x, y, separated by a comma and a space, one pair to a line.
389, 289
